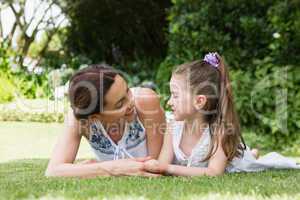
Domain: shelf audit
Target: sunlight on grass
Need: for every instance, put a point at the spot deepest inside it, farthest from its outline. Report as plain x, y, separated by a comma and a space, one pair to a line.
24, 153
229, 196
24, 179
19, 140
210, 196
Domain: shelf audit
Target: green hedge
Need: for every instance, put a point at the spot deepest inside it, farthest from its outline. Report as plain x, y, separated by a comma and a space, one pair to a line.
268, 100
117, 31
37, 110
260, 41
241, 30
10, 115
7, 89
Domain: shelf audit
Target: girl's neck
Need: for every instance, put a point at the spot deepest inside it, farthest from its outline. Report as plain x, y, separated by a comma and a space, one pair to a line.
195, 126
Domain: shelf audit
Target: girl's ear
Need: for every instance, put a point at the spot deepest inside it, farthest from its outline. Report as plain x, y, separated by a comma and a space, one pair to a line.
199, 101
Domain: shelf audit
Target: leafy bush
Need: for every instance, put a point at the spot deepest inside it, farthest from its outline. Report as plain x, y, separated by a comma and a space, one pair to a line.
260, 42
267, 100
31, 85
37, 110
7, 89
129, 35
240, 30
8, 115
122, 31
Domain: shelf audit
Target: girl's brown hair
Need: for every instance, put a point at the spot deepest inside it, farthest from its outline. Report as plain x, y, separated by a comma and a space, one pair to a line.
219, 112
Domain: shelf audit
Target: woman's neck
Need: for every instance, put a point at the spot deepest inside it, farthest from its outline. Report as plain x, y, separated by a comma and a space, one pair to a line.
115, 129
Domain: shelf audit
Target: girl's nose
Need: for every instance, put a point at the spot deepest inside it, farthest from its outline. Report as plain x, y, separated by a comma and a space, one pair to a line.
169, 103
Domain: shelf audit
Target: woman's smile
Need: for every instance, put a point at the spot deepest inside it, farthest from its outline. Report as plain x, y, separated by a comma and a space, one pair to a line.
129, 112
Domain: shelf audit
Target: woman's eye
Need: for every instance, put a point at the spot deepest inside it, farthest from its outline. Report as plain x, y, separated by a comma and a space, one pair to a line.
120, 105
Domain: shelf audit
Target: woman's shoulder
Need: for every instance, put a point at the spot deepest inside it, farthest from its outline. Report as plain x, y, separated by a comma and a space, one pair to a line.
145, 96
147, 101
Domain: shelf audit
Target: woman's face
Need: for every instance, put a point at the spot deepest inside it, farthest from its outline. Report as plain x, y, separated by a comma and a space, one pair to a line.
119, 102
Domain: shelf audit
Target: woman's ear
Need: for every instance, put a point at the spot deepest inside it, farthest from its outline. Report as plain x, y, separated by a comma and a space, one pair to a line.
199, 101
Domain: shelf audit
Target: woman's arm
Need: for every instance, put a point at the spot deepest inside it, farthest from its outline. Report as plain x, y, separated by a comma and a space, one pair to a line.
153, 118
123, 167
64, 154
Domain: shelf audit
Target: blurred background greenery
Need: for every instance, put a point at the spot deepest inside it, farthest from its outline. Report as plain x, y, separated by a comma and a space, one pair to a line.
42, 43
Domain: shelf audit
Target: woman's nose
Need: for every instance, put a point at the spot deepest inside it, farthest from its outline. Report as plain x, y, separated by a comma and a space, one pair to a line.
131, 103
130, 99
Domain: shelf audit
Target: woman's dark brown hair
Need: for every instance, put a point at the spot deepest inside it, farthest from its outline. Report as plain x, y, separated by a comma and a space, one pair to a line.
88, 88
220, 113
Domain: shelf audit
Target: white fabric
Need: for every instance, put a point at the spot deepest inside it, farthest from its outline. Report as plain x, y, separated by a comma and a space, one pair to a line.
132, 144
198, 153
246, 163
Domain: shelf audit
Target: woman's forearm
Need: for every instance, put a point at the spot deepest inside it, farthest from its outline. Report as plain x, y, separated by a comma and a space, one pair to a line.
81, 170
178, 170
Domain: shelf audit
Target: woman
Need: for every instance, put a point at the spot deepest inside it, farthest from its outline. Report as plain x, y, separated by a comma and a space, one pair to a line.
123, 126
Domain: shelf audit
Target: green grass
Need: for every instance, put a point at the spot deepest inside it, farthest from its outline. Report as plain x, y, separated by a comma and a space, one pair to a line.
25, 149
25, 179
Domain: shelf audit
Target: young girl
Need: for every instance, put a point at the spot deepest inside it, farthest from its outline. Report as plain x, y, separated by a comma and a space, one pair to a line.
205, 138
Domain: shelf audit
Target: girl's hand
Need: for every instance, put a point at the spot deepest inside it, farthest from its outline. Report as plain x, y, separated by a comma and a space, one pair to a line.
154, 166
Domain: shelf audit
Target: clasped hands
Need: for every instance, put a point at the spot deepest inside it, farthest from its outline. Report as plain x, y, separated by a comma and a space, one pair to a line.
144, 166
154, 166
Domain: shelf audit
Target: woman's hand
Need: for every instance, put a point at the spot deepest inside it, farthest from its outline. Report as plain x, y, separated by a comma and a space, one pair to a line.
154, 166
88, 161
131, 167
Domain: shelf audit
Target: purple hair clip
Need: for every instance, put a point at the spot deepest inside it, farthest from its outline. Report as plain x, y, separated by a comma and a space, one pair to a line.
212, 59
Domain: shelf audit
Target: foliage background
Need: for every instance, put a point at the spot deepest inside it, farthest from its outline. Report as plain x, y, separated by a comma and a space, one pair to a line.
260, 41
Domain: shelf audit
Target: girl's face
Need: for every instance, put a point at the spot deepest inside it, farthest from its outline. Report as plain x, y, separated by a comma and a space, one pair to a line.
181, 100
119, 102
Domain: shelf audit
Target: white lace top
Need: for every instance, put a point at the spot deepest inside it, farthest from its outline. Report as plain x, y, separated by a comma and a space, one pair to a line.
246, 163
199, 152
132, 144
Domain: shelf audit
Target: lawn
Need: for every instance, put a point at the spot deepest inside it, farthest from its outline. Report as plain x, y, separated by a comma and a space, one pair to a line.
25, 148
24, 179
19, 140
